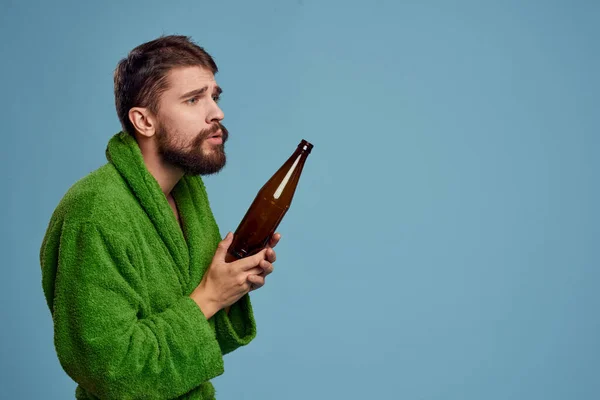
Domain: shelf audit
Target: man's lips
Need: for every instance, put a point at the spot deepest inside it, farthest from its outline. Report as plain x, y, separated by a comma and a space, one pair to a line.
216, 138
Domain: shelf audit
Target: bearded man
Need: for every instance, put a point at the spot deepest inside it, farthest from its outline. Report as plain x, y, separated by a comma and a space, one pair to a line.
145, 300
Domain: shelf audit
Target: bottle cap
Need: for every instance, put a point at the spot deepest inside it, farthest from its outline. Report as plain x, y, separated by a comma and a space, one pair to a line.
305, 145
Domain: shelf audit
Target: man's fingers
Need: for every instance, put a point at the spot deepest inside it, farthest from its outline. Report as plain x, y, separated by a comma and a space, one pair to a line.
271, 256
267, 267
257, 281
252, 261
224, 246
255, 271
274, 240
256, 276
263, 269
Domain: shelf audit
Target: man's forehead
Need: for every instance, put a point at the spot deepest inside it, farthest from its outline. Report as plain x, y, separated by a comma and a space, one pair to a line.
184, 79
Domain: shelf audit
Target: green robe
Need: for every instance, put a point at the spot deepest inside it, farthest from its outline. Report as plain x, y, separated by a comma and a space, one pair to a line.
117, 272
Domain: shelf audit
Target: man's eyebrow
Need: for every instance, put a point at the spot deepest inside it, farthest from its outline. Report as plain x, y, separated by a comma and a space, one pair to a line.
200, 92
195, 92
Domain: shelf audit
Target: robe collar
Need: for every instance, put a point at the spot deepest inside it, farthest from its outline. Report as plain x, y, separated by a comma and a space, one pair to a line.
124, 153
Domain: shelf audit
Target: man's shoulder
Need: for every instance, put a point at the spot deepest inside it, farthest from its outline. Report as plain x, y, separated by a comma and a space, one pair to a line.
99, 197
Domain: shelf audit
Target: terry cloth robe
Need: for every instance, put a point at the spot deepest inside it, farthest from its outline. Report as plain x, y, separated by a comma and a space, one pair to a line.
117, 272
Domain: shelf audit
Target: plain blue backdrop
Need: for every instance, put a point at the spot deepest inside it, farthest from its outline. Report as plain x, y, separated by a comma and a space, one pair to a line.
443, 241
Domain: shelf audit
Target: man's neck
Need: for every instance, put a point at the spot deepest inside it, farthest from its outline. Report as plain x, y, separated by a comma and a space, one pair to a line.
166, 175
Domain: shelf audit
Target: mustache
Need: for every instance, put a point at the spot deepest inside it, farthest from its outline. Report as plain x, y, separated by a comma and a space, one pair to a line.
206, 133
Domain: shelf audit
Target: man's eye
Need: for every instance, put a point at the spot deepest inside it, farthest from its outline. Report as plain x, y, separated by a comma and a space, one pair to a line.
216, 98
193, 100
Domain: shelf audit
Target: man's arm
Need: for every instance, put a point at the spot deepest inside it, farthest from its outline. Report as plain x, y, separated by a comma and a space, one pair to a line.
235, 325
101, 340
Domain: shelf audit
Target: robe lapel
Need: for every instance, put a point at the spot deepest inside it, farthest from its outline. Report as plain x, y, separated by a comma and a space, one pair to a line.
124, 153
199, 226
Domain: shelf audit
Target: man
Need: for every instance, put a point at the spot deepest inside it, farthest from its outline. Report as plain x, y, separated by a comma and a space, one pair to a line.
144, 297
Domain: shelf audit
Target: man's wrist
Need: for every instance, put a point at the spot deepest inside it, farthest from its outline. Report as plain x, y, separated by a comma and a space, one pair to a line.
208, 306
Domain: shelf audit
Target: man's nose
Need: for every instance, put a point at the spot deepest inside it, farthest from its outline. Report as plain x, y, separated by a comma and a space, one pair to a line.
216, 114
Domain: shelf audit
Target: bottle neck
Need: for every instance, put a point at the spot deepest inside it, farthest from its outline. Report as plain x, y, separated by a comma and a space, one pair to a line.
298, 158
305, 146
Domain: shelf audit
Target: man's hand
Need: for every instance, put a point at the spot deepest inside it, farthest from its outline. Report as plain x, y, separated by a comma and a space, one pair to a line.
224, 282
258, 280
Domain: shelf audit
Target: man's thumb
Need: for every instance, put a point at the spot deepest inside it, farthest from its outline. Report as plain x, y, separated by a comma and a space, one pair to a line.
224, 245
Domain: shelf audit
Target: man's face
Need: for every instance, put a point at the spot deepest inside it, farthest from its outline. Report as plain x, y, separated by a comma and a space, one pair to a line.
189, 133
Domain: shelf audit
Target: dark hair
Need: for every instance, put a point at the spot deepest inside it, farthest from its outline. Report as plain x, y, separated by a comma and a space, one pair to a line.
141, 77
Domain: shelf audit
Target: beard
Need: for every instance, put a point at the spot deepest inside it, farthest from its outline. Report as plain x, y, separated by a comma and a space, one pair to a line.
191, 158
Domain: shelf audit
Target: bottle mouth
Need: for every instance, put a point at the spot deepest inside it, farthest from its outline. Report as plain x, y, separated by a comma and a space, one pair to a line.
306, 146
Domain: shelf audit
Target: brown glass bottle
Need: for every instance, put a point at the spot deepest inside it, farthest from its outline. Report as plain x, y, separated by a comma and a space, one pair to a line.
270, 205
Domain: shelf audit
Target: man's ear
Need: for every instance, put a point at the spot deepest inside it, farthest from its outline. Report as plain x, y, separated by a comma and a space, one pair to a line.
143, 121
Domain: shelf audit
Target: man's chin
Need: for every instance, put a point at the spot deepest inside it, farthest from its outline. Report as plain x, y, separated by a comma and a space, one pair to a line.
209, 166
205, 171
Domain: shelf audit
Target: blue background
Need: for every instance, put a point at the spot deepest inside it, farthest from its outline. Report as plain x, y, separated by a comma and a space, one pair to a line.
443, 242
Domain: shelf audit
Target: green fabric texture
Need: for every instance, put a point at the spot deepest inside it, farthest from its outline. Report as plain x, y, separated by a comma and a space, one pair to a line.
117, 272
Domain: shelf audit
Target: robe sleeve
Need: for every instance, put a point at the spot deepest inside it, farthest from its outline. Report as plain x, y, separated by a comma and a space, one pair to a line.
237, 328
101, 340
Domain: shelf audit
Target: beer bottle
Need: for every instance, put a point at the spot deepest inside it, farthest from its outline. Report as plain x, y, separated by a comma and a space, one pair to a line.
269, 206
